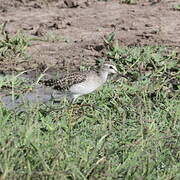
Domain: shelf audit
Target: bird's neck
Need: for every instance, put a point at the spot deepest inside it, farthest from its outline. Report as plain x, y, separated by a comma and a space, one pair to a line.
103, 75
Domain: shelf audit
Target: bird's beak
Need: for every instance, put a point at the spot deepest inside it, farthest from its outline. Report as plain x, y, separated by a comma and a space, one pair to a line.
116, 71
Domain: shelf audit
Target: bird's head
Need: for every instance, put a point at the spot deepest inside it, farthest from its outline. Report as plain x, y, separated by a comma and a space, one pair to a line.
111, 69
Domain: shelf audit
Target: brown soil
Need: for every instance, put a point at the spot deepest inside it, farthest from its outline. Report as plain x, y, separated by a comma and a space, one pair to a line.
79, 27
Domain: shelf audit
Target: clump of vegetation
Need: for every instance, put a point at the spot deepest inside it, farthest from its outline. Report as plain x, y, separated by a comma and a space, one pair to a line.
53, 37
11, 47
176, 7
131, 131
129, 1
14, 84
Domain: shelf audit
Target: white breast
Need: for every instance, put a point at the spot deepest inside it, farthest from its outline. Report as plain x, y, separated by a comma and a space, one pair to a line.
88, 86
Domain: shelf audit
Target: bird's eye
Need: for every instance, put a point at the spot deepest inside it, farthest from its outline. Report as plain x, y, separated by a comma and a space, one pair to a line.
111, 67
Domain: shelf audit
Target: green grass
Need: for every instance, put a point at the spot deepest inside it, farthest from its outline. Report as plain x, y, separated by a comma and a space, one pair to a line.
14, 85
129, 1
131, 132
176, 7
54, 37
14, 46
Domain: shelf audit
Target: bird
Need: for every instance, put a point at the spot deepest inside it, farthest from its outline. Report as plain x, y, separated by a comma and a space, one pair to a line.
81, 83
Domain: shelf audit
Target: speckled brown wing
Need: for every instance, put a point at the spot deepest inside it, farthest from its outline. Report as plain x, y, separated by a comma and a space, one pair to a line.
65, 82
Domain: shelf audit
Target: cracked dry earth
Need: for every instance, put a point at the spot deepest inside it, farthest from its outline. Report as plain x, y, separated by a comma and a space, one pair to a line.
70, 33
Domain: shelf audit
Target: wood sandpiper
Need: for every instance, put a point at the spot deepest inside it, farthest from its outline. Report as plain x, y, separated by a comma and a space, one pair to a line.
81, 83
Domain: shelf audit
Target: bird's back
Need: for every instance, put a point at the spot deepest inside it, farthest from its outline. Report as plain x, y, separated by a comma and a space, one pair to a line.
66, 81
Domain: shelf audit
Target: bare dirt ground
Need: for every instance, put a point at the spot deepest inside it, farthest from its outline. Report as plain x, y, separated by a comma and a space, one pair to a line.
75, 28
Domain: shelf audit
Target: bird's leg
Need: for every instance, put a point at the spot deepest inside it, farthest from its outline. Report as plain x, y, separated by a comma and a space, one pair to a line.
81, 105
74, 97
